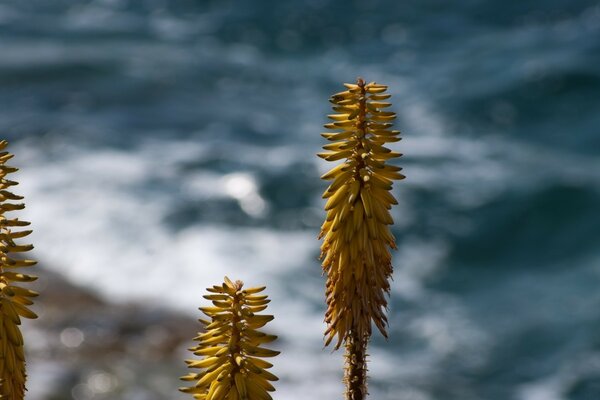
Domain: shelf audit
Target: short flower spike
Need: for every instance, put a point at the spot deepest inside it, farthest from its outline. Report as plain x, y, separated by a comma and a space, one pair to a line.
232, 367
14, 300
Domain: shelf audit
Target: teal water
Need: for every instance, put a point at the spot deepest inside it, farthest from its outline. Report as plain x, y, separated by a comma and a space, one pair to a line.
180, 136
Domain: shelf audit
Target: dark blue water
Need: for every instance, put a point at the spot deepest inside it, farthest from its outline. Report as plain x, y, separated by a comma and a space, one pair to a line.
178, 130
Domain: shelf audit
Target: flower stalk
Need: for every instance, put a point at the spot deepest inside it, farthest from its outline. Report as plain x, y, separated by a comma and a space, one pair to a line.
355, 374
355, 252
14, 300
232, 367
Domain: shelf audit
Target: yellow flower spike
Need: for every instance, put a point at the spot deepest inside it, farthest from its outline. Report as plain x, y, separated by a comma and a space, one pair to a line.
356, 238
14, 300
230, 346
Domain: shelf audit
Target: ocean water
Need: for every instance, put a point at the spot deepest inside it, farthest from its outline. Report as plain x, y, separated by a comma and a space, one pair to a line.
165, 144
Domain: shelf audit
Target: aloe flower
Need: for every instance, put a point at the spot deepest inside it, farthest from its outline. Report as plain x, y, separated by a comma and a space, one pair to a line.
14, 300
356, 237
232, 366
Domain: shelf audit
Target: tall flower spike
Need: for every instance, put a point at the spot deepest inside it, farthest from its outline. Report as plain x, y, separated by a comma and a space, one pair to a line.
13, 299
232, 367
356, 238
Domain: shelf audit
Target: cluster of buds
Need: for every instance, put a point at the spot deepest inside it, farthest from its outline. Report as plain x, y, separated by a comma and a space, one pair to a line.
355, 252
356, 234
232, 367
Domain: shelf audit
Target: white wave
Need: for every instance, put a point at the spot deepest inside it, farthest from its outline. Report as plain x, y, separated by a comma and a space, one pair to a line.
557, 385
96, 221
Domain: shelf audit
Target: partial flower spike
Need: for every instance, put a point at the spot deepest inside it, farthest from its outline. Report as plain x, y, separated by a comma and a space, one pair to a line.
232, 365
356, 237
14, 299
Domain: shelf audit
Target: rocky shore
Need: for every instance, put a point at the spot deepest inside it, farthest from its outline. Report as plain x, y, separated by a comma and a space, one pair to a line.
85, 347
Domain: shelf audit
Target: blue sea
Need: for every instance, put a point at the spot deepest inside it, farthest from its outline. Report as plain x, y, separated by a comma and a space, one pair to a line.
166, 144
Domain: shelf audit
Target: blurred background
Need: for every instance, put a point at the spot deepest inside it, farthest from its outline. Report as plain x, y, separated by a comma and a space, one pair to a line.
164, 144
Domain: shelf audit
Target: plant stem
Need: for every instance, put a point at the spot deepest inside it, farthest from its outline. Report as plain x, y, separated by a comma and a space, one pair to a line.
355, 376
